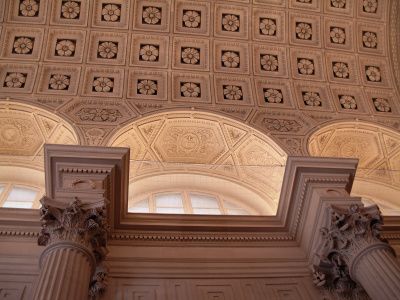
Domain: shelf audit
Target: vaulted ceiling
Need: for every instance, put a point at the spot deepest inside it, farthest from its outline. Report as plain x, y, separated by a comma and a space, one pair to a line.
285, 68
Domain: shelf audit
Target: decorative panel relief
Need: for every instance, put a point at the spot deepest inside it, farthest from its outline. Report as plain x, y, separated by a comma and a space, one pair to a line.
238, 56
206, 289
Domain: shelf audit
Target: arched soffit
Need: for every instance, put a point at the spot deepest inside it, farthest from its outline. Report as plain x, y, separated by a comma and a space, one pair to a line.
26, 177
24, 130
378, 151
394, 40
204, 144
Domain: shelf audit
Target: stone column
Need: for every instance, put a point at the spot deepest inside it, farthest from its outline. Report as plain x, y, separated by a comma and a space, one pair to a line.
354, 259
378, 271
75, 240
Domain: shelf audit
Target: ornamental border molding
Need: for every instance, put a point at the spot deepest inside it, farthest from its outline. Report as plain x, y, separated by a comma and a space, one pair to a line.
394, 41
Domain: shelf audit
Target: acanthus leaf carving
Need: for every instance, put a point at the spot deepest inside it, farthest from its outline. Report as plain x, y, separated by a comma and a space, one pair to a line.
349, 234
84, 226
99, 282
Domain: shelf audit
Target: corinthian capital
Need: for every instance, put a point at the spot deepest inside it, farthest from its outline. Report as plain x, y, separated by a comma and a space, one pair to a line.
351, 234
86, 227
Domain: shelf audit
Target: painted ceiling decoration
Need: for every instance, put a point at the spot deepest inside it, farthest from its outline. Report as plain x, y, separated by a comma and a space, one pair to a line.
284, 68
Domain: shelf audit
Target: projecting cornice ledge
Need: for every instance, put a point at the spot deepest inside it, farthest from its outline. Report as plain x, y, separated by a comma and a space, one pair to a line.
95, 174
331, 178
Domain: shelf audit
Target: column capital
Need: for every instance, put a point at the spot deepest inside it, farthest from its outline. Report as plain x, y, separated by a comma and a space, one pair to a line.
76, 223
351, 232
351, 235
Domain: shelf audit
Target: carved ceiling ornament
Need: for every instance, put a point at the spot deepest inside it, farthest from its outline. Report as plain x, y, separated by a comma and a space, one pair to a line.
349, 236
56, 55
18, 134
375, 146
23, 131
160, 32
189, 141
204, 143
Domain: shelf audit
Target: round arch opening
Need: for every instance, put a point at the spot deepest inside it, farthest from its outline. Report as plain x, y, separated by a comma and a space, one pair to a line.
24, 130
204, 154
377, 179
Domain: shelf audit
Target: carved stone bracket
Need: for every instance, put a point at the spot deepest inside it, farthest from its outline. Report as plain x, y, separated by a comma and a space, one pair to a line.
352, 234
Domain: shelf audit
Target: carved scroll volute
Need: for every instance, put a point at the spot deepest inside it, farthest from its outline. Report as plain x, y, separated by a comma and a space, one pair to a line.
87, 227
351, 232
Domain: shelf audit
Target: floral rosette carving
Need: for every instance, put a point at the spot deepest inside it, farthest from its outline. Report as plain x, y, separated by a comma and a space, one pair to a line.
267, 26
29, 8
273, 96
337, 35
65, 48
70, 10
370, 6
190, 89
304, 31
15, 80
305, 66
23, 45
230, 23
151, 15
348, 102
111, 13
382, 105
350, 232
191, 19
84, 226
338, 3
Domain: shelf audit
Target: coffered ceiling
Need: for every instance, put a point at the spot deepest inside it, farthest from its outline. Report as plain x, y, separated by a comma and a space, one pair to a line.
286, 68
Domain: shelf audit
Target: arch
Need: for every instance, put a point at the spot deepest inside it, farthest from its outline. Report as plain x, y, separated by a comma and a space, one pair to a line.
24, 130
378, 151
188, 148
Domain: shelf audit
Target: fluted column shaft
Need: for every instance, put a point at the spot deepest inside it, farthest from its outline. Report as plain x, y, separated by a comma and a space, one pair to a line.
66, 269
75, 241
354, 259
378, 271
